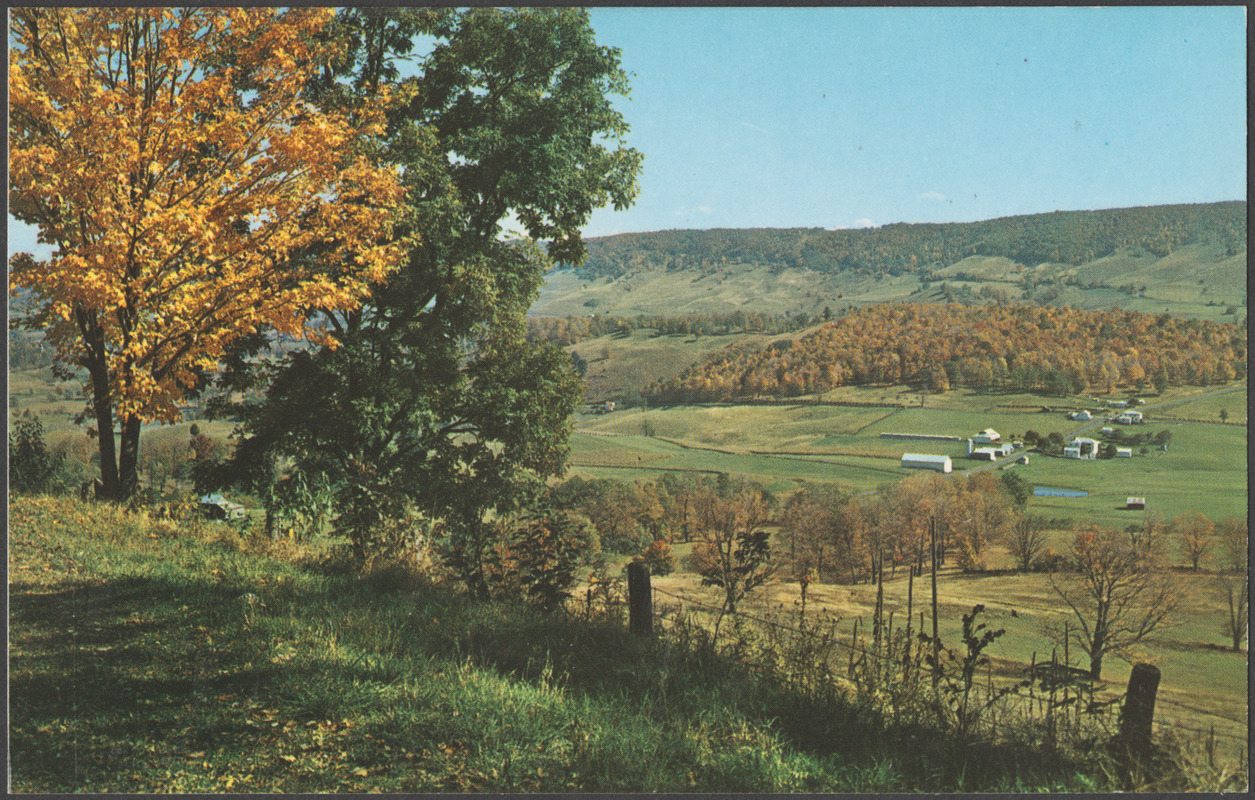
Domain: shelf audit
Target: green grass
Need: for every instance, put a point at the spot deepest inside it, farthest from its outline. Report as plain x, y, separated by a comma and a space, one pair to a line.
1208, 408
628, 457
139, 664
1204, 470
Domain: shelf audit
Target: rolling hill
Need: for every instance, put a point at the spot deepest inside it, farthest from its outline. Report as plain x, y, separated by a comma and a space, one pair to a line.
1188, 260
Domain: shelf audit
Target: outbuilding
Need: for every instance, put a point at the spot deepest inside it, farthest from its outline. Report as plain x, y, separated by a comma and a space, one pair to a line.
984, 454
1124, 452
1135, 504
1130, 418
987, 436
1081, 448
926, 461
1082, 415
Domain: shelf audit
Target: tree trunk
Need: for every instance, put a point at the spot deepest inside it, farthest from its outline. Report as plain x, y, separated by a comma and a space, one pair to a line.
128, 459
1096, 653
103, 406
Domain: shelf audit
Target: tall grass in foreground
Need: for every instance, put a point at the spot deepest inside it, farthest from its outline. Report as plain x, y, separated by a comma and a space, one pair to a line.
150, 656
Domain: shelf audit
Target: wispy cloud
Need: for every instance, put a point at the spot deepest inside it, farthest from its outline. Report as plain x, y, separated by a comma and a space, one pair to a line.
938, 196
755, 127
686, 210
864, 222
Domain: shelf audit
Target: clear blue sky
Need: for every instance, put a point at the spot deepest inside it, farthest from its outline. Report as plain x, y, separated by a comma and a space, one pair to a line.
846, 117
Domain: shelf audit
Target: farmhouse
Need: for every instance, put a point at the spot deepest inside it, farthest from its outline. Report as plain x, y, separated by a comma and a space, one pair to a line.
1081, 448
924, 461
987, 436
1130, 418
1005, 449
1124, 452
1082, 415
215, 506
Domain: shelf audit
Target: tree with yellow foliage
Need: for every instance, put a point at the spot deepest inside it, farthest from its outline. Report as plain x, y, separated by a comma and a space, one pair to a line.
191, 192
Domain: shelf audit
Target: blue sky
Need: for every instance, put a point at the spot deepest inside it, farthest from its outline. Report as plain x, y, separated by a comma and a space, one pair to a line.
844, 117
847, 117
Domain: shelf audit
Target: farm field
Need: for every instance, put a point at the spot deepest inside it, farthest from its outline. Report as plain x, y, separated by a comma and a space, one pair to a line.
1204, 469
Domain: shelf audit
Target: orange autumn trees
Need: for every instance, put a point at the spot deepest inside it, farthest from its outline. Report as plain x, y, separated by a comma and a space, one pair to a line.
1055, 351
191, 193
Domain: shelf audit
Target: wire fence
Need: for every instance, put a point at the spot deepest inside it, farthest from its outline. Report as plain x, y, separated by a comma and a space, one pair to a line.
862, 651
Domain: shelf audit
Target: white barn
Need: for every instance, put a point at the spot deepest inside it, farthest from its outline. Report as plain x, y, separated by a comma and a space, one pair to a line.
987, 436
925, 461
1130, 418
1081, 448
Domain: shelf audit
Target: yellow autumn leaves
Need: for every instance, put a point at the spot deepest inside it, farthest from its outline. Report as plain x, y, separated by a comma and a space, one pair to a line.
191, 191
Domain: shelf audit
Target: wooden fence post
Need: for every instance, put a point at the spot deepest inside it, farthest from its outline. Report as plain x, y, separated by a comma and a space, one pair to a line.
640, 600
1139, 707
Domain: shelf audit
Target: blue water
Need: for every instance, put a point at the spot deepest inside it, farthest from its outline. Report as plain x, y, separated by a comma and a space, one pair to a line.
1046, 491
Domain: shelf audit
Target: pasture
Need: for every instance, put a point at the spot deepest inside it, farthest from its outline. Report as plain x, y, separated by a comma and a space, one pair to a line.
1204, 468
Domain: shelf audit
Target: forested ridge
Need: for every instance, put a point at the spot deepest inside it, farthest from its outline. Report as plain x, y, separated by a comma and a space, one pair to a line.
935, 346
1067, 237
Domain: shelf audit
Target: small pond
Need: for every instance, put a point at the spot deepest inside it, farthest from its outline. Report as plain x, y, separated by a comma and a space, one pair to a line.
1046, 491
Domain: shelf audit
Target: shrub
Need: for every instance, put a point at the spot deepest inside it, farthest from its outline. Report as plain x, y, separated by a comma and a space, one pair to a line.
31, 466
658, 557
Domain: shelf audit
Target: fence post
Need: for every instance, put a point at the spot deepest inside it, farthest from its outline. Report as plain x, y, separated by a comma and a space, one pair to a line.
1139, 707
640, 600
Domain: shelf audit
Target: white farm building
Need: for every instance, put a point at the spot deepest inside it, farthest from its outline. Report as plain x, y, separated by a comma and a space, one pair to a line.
1130, 418
987, 436
924, 461
1081, 448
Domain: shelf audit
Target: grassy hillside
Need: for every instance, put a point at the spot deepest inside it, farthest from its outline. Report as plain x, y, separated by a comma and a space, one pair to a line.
147, 656
1187, 260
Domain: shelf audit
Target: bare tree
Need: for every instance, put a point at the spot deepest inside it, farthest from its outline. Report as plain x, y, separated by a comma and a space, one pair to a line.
1118, 593
1195, 532
1026, 540
1233, 538
1237, 623
732, 550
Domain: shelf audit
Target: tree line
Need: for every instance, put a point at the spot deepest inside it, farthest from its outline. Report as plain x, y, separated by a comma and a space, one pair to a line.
566, 331
1065, 237
1057, 351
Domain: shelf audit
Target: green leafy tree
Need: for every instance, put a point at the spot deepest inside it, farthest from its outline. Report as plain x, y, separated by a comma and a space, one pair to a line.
547, 552
31, 465
1018, 488
434, 407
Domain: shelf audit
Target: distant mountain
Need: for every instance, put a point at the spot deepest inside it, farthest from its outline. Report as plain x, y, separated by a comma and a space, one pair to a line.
1062, 237
1189, 260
